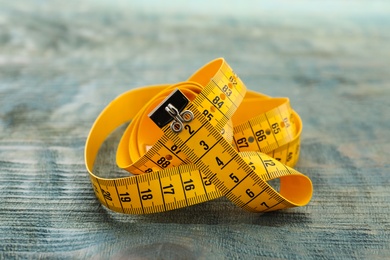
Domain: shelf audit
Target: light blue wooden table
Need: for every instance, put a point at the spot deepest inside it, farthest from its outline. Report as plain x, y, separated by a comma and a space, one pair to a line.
61, 62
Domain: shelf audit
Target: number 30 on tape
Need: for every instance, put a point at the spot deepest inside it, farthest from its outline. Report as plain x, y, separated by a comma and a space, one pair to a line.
199, 140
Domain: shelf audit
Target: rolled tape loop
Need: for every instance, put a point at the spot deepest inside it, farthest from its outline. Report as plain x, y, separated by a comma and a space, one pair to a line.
231, 142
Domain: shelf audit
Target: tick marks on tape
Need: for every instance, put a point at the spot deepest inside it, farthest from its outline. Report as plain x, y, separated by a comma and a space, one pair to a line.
198, 140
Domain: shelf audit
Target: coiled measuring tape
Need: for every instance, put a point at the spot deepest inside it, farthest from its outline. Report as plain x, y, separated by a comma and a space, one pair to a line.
199, 140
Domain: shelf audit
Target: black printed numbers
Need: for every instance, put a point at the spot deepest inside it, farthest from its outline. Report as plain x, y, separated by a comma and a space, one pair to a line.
219, 162
163, 163
169, 189
242, 142
250, 193
188, 185
269, 163
175, 149
234, 178
260, 135
125, 197
206, 181
276, 128
205, 146
289, 156
217, 101
227, 90
146, 194
233, 80
252, 165
190, 131
106, 195
207, 114
264, 204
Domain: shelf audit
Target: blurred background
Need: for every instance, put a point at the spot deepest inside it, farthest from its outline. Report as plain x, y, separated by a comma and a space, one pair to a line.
278, 47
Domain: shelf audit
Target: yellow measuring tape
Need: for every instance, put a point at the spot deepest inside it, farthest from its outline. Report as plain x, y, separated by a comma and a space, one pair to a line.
199, 140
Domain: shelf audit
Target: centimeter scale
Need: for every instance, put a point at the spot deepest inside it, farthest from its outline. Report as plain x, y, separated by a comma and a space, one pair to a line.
199, 140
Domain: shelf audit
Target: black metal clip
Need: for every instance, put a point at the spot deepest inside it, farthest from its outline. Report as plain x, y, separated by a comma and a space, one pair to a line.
171, 110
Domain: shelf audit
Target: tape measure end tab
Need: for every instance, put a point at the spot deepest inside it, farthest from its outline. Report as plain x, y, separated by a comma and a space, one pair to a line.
169, 109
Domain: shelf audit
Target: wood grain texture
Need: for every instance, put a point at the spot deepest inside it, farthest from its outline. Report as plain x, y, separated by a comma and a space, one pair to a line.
61, 62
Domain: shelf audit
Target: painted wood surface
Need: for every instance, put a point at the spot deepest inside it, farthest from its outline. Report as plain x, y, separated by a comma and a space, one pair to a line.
61, 62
